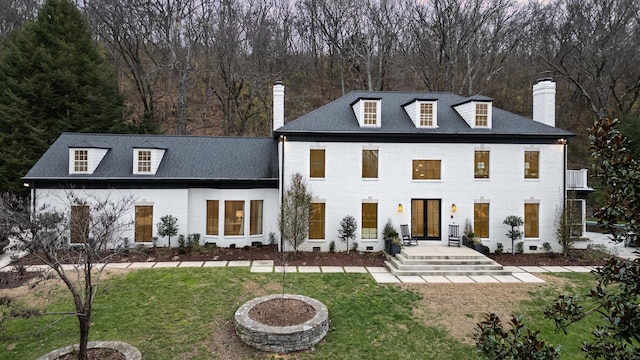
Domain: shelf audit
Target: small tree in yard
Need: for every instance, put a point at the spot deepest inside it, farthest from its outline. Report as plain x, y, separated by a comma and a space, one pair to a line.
80, 237
347, 229
563, 224
168, 227
296, 212
515, 233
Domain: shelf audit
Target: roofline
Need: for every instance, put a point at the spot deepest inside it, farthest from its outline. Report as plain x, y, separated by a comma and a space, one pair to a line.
418, 100
104, 183
405, 137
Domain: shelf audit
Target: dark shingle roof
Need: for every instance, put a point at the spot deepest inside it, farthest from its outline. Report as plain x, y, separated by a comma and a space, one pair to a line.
337, 117
186, 157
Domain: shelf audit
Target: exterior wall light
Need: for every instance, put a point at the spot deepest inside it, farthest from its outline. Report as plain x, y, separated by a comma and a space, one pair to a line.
400, 208
454, 208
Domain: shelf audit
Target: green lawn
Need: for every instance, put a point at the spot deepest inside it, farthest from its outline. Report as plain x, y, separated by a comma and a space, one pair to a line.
187, 314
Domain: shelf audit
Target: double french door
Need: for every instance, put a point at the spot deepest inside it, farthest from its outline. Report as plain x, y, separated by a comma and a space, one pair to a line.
426, 218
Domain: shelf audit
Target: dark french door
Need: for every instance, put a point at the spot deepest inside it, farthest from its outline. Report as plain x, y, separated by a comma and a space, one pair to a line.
426, 218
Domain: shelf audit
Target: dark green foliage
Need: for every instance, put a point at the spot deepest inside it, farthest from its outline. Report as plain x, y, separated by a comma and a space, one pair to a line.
519, 342
514, 233
52, 80
499, 248
618, 174
520, 247
615, 298
168, 227
347, 230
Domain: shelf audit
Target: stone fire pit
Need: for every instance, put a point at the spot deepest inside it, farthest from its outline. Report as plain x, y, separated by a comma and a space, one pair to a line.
282, 339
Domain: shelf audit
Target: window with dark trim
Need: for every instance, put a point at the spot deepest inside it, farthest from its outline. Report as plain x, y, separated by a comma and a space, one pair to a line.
144, 223
531, 220
255, 220
370, 164
316, 160
233, 217
481, 219
531, 164
481, 164
316, 223
213, 207
426, 169
79, 223
369, 220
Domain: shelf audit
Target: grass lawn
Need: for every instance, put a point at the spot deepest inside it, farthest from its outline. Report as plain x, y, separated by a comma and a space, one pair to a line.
187, 314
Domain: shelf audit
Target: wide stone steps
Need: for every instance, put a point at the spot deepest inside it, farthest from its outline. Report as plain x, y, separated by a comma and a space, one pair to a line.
457, 263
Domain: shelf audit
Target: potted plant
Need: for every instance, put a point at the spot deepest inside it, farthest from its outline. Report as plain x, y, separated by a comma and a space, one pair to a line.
389, 233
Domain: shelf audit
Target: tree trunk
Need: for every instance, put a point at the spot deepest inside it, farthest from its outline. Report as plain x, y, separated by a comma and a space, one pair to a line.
85, 323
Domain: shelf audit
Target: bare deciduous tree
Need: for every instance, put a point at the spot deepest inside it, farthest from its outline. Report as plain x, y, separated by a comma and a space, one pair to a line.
295, 213
73, 239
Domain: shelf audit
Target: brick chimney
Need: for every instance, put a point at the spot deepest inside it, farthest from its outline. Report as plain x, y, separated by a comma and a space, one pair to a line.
278, 105
544, 102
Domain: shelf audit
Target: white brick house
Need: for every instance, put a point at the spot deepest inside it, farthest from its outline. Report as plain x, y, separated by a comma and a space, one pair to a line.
422, 159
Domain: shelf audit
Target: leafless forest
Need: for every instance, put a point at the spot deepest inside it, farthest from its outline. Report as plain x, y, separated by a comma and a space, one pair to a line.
207, 66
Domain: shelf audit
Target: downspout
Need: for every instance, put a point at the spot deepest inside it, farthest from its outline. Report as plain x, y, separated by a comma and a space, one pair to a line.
282, 138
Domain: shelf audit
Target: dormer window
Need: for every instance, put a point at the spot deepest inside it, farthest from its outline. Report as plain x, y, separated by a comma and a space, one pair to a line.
423, 113
81, 161
476, 111
85, 160
370, 113
144, 161
147, 160
367, 111
426, 114
482, 115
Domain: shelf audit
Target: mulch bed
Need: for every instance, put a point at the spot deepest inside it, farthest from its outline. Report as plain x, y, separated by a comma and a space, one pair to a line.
97, 354
282, 312
576, 257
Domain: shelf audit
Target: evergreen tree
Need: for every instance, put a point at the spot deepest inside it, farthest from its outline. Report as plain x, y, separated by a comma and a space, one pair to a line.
53, 79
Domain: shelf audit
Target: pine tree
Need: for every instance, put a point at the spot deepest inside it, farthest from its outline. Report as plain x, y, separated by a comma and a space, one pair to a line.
53, 79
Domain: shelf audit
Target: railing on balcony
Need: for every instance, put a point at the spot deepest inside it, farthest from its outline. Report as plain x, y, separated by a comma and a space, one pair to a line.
577, 179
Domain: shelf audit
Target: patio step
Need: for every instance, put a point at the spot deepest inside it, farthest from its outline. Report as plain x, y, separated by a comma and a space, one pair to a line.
442, 261
444, 272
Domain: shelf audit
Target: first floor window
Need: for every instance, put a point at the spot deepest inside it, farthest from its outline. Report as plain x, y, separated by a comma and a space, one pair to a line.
81, 161
79, 223
426, 169
531, 220
369, 220
144, 223
481, 219
316, 223
574, 215
233, 217
255, 221
212, 217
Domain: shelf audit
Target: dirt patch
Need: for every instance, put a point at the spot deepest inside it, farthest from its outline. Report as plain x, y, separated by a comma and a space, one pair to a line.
576, 257
459, 307
212, 253
282, 312
97, 354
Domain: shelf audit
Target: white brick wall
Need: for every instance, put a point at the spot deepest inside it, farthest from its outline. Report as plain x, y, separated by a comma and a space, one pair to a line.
343, 189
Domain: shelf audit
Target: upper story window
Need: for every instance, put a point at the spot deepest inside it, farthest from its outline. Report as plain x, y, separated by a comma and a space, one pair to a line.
481, 164
426, 169
426, 114
370, 164
367, 112
423, 113
85, 160
146, 161
531, 164
476, 111
482, 115
81, 161
316, 163
370, 113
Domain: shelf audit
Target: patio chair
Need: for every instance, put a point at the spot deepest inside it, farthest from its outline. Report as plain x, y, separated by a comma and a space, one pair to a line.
454, 235
407, 239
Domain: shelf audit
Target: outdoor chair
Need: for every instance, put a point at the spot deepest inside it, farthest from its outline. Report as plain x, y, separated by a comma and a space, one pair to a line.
407, 239
454, 235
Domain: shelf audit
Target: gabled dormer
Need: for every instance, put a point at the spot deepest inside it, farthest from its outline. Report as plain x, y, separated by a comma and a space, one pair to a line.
367, 111
147, 158
84, 158
476, 111
423, 113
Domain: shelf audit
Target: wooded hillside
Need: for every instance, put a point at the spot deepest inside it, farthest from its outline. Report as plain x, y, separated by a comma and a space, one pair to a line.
207, 66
